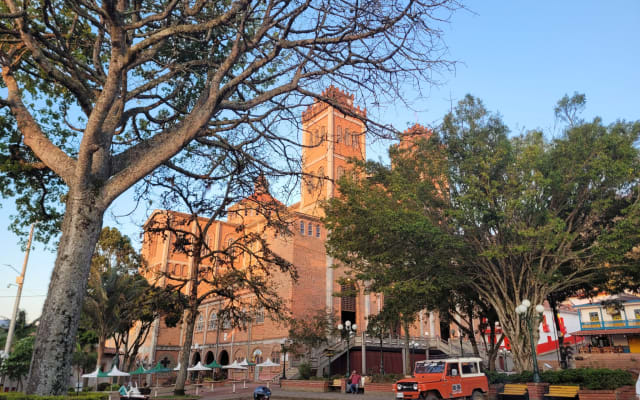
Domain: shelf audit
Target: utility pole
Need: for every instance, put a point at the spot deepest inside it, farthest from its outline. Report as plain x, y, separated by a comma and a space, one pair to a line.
16, 304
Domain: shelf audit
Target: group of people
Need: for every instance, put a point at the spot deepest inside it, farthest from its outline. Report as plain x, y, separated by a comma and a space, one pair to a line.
132, 392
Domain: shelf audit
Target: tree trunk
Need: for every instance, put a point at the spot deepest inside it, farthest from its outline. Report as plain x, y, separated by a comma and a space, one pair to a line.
100, 353
56, 335
190, 321
407, 365
556, 320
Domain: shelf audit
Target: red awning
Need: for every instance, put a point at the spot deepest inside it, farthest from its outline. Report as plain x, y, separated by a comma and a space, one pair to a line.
595, 332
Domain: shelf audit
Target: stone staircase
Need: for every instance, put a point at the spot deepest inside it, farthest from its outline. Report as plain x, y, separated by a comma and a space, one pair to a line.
450, 348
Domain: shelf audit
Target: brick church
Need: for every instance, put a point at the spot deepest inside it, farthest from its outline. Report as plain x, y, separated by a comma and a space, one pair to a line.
330, 139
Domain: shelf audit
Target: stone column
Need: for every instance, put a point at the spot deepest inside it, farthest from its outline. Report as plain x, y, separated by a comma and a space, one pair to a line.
363, 351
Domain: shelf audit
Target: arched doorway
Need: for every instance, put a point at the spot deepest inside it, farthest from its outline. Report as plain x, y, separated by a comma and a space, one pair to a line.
196, 358
224, 358
208, 359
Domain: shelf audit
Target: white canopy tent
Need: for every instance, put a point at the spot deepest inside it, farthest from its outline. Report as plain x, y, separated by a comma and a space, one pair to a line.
199, 367
268, 363
116, 372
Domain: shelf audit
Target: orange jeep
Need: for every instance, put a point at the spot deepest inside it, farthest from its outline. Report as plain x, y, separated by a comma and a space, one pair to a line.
452, 378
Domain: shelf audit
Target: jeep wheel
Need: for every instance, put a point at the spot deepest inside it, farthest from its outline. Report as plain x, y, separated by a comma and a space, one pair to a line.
477, 395
432, 396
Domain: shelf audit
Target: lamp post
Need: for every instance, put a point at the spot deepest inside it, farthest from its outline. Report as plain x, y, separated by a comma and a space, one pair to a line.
525, 311
16, 304
285, 350
412, 349
346, 331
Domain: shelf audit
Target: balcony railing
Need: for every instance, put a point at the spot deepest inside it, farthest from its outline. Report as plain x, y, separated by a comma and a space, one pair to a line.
617, 324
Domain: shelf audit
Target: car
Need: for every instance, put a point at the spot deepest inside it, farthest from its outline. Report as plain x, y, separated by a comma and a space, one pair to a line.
451, 378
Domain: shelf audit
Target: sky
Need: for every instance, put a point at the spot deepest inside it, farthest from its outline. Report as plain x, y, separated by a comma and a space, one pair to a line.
520, 58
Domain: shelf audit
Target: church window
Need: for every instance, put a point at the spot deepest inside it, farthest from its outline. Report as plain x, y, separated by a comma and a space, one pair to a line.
302, 227
213, 321
323, 134
199, 323
339, 135
310, 229
320, 177
314, 137
340, 172
275, 357
348, 302
318, 230
347, 137
226, 323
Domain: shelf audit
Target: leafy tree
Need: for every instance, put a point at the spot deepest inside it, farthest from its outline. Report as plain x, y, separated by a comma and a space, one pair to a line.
99, 94
534, 212
16, 366
22, 328
386, 228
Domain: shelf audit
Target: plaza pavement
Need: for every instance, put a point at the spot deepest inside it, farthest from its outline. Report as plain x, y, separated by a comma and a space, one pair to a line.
246, 393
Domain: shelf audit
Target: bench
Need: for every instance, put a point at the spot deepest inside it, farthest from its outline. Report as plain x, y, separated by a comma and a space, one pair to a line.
336, 384
514, 391
562, 392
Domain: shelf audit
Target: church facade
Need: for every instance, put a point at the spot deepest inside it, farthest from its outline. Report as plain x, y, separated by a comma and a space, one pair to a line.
330, 139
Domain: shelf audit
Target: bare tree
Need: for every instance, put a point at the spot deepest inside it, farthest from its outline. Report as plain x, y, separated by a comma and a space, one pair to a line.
102, 93
235, 270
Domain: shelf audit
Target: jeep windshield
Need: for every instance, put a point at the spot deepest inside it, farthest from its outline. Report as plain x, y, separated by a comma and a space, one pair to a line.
429, 368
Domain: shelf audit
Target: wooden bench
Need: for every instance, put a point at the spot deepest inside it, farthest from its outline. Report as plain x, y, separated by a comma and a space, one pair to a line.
562, 392
514, 391
336, 384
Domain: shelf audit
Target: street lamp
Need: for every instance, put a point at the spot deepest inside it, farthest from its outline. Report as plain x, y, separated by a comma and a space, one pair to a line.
412, 349
525, 311
284, 349
346, 331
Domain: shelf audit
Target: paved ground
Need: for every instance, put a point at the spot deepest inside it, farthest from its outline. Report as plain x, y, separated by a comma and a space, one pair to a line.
243, 392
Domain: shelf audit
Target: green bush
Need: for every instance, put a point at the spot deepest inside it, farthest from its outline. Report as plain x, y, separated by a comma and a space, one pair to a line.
304, 370
102, 386
82, 396
586, 378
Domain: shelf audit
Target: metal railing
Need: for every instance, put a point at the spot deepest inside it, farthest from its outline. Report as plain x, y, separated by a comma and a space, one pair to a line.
614, 324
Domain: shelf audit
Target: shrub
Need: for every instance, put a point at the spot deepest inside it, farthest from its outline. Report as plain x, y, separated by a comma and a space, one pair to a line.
83, 396
304, 370
102, 386
587, 378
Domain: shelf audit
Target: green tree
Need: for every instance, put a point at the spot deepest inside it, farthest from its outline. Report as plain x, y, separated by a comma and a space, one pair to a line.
17, 365
99, 94
533, 212
386, 228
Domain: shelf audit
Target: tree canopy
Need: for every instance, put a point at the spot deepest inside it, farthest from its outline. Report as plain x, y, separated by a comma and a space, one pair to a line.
507, 217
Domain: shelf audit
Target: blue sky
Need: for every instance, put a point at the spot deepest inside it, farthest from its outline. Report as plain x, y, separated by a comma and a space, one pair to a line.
518, 57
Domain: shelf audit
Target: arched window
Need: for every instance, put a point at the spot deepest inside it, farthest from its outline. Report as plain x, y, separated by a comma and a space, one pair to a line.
318, 230
260, 315
339, 134
310, 229
213, 321
323, 134
275, 357
347, 137
226, 323
199, 323
340, 173
314, 137
302, 227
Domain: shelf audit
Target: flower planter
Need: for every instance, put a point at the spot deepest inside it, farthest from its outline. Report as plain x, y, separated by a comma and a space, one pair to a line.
494, 389
371, 387
586, 394
626, 393
295, 385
